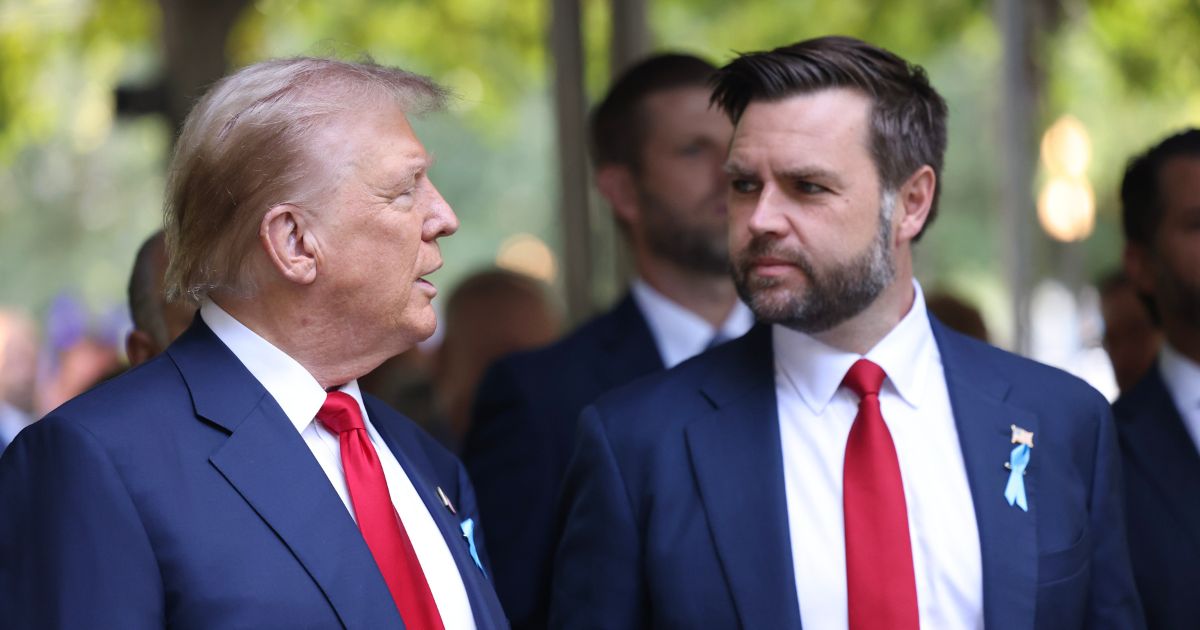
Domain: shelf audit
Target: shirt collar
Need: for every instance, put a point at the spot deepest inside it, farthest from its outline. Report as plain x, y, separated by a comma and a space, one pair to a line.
908, 355
297, 392
1182, 378
679, 333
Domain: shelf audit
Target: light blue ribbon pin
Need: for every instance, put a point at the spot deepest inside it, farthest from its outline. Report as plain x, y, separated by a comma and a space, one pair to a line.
468, 530
1015, 490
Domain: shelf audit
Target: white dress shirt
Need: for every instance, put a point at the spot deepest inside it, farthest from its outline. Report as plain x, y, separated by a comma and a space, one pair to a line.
815, 415
679, 333
1181, 375
300, 397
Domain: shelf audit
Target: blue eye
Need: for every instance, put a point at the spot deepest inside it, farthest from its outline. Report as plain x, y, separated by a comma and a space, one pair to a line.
809, 188
744, 186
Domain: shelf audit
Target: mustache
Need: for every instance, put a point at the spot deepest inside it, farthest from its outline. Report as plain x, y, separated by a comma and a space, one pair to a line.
767, 247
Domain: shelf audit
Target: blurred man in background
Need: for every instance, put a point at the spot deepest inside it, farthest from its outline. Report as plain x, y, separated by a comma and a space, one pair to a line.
1131, 337
156, 322
657, 149
1158, 419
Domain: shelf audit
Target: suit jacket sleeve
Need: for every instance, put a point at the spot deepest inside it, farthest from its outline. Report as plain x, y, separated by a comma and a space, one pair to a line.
598, 581
508, 460
73, 550
1113, 596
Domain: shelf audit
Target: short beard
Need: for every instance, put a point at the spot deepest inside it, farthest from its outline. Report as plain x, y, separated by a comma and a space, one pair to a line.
833, 295
671, 237
1177, 296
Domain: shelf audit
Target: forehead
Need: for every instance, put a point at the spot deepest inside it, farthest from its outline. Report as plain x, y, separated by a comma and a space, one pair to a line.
815, 124
1179, 182
377, 138
682, 108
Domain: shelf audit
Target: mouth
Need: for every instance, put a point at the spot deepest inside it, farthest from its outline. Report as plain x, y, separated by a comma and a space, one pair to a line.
424, 283
771, 267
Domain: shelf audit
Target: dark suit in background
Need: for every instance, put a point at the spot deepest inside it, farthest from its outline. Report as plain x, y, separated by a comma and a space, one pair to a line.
1162, 492
521, 439
1160, 204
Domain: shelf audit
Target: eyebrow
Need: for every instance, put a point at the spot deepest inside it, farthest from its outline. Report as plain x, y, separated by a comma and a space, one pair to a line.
810, 173
735, 169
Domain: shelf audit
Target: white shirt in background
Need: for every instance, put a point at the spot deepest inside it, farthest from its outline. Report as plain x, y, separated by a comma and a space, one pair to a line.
1181, 375
679, 333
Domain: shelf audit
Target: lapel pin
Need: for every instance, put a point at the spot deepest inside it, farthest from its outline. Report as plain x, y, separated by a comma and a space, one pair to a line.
1018, 460
468, 530
1022, 436
446, 501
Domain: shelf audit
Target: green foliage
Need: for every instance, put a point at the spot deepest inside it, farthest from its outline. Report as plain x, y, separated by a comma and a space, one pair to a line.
489, 53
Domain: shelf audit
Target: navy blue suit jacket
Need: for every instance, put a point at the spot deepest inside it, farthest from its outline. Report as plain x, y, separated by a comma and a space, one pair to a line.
676, 515
1162, 495
521, 438
180, 495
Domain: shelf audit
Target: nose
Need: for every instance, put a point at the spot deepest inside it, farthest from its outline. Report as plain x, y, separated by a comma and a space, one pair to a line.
441, 220
768, 215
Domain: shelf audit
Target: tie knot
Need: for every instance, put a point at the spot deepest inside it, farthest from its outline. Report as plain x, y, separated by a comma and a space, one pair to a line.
864, 378
340, 413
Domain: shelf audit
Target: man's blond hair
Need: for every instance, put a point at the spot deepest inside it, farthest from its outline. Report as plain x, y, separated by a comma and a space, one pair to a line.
247, 146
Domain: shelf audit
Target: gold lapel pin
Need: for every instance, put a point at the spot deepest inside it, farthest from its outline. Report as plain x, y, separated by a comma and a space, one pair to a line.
1022, 436
446, 501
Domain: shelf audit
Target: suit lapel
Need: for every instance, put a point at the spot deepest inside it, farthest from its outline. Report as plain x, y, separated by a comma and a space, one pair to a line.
1154, 436
1007, 534
485, 606
270, 466
631, 348
738, 464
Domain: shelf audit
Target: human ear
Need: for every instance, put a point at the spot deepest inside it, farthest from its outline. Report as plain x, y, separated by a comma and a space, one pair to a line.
913, 203
616, 185
1139, 268
140, 347
289, 243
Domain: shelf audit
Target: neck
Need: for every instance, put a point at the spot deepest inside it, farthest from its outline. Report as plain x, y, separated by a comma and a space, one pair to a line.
860, 333
710, 296
319, 344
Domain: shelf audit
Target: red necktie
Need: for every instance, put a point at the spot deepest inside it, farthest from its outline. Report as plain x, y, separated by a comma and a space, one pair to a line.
377, 518
881, 588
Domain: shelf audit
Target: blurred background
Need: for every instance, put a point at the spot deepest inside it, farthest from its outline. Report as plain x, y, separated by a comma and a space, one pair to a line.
1048, 100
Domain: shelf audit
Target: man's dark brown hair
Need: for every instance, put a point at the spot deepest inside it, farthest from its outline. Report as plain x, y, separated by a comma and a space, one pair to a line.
618, 125
1141, 200
908, 117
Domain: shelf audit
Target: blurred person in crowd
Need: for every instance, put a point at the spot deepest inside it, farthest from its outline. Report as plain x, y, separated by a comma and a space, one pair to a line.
18, 373
239, 479
657, 147
79, 352
957, 314
76, 368
490, 314
1158, 418
156, 322
1131, 336
842, 466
